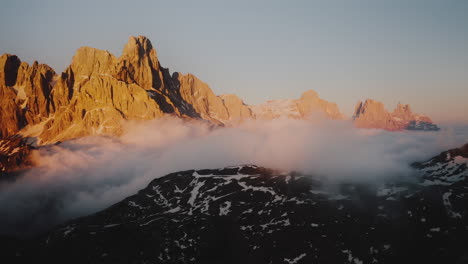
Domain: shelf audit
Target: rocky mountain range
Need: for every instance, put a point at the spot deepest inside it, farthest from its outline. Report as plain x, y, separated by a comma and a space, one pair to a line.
372, 114
99, 90
249, 214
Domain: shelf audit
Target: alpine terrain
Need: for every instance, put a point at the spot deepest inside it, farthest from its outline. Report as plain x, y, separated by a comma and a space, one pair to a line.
249, 214
98, 91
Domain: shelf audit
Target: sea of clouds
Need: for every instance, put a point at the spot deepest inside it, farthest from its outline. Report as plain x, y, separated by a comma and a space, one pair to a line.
82, 176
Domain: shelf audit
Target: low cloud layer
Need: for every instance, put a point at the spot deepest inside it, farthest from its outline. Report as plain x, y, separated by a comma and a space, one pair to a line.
83, 176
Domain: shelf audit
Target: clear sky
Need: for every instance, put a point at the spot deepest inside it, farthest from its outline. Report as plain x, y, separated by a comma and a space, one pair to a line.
409, 51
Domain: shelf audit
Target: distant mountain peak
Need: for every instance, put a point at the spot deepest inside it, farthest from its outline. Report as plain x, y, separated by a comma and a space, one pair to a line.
309, 94
309, 103
372, 114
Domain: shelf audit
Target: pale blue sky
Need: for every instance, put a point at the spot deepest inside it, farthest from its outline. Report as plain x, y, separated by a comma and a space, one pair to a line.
396, 50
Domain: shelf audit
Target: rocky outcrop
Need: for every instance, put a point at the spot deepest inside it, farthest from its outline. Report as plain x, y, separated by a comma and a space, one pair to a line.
449, 168
14, 156
36, 83
372, 114
302, 108
24, 94
453, 156
11, 115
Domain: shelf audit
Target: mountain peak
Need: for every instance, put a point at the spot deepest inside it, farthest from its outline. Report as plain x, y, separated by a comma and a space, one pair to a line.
305, 107
309, 94
403, 108
9, 65
138, 47
88, 60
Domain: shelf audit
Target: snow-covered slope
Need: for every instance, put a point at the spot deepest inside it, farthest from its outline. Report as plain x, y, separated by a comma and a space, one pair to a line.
273, 109
249, 214
448, 168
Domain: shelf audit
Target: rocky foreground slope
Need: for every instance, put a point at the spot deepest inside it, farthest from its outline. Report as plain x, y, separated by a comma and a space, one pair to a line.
249, 214
15, 155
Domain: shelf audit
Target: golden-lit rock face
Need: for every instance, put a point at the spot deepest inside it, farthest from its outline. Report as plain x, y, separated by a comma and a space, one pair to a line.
24, 94
92, 96
199, 95
310, 103
237, 110
372, 114
99, 90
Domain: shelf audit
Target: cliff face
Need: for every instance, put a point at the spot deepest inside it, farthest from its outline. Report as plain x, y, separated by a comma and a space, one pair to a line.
236, 108
24, 94
199, 95
372, 114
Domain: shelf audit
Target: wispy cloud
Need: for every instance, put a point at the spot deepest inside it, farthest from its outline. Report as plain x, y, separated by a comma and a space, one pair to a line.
83, 176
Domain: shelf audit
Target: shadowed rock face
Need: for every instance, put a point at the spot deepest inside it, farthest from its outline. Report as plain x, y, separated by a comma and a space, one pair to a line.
24, 94
372, 114
14, 156
9, 65
249, 214
236, 109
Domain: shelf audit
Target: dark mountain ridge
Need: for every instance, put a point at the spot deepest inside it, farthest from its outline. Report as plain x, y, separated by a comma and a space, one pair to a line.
249, 214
